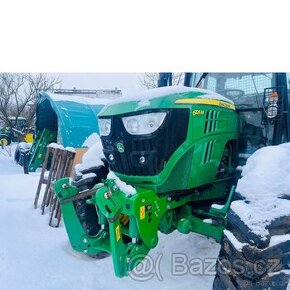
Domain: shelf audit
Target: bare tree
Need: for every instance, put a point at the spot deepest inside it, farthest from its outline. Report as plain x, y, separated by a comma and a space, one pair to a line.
10, 85
150, 80
35, 84
18, 93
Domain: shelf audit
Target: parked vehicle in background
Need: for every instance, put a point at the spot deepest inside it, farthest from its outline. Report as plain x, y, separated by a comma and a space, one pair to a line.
18, 132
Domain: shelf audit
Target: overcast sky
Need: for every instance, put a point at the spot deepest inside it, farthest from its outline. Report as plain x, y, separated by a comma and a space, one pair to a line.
127, 82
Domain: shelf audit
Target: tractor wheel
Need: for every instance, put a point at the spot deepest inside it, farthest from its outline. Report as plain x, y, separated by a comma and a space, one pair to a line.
25, 162
17, 155
249, 261
21, 155
4, 141
86, 212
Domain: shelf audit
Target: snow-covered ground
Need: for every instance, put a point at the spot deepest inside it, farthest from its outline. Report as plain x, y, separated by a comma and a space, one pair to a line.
36, 256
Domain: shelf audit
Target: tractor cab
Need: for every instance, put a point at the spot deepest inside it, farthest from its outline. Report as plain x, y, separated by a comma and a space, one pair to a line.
261, 101
19, 123
15, 131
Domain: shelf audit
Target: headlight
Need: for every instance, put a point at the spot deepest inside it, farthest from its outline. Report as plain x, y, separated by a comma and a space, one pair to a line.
143, 124
272, 111
105, 126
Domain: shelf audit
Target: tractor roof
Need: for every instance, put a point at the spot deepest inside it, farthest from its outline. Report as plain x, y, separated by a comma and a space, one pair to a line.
167, 91
164, 97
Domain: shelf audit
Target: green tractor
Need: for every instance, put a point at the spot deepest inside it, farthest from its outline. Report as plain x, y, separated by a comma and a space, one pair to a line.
179, 148
17, 131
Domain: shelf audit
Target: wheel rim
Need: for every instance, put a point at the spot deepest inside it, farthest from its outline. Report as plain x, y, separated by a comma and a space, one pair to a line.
3, 142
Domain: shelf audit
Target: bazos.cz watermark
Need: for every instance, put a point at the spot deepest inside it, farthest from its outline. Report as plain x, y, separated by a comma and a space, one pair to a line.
182, 265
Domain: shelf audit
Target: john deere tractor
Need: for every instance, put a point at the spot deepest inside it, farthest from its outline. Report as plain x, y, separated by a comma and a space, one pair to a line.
17, 131
179, 148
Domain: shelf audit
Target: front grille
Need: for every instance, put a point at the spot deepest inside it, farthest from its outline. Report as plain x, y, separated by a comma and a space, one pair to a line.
156, 148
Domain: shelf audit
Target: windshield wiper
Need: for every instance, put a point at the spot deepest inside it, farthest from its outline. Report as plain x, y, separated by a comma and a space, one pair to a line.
203, 76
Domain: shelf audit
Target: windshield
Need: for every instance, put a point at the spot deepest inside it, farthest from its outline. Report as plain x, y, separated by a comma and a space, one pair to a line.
246, 90
20, 124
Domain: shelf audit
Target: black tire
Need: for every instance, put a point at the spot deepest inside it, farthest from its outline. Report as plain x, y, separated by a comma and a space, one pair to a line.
25, 161
17, 155
21, 149
21, 157
248, 261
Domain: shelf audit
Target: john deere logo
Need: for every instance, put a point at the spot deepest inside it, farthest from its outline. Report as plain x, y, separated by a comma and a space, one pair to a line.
120, 147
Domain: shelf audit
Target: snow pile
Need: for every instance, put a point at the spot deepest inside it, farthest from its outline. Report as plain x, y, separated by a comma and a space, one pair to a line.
92, 158
59, 146
70, 149
126, 188
91, 140
265, 180
79, 99
276, 240
55, 146
7, 165
144, 97
35, 256
24, 146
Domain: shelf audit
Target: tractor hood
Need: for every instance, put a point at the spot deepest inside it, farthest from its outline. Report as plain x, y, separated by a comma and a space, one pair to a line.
164, 98
149, 139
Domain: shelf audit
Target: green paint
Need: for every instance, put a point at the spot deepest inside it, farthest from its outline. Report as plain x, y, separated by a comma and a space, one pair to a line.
38, 149
167, 201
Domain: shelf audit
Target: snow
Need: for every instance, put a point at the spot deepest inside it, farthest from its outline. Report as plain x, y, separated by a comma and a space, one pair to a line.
286, 272
265, 179
238, 245
35, 256
93, 157
143, 103
78, 99
18, 118
275, 240
59, 146
24, 146
123, 186
8, 166
55, 146
91, 140
70, 149
144, 97
18, 131
217, 206
88, 175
